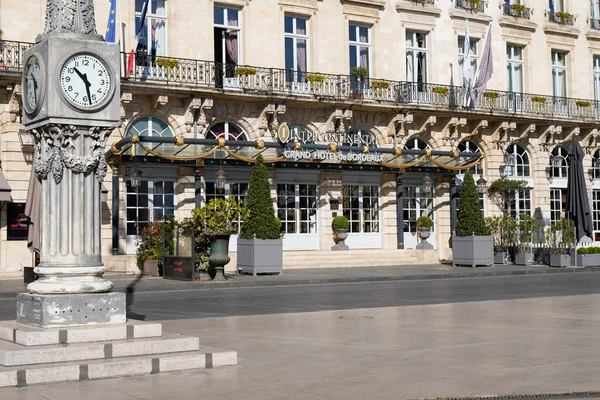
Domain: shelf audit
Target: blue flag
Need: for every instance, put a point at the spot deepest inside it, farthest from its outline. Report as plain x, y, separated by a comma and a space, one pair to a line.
111, 26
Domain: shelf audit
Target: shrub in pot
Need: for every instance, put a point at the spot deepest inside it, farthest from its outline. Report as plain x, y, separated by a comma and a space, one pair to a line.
424, 225
504, 231
527, 225
260, 245
472, 243
340, 225
149, 244
560, 238
588, 257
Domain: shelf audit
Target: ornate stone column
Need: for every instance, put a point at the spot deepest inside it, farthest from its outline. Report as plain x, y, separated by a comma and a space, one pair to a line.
71, 166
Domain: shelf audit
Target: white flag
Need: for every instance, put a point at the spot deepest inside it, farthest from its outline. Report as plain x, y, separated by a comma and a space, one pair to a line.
486, 67
466, 70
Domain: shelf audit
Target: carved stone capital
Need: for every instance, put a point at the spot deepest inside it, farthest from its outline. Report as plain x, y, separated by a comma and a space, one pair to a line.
159, 101
205, 116
193, 106
14, 106
74, 16
55, 144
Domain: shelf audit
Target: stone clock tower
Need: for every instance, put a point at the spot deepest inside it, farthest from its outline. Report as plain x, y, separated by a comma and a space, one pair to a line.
71, 105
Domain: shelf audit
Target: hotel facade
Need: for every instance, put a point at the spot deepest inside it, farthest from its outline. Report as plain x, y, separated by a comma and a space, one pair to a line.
356, 105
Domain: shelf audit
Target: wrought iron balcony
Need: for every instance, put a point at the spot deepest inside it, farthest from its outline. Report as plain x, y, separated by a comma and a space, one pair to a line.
595, 23
561, 17
471, 5
517, 11
208, 75
11, 55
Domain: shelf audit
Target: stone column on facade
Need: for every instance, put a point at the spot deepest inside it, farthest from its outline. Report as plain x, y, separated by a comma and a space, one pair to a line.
70, 209
198, 172
399, 213
115, 210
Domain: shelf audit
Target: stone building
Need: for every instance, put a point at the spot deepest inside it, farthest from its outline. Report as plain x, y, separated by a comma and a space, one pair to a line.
385, 74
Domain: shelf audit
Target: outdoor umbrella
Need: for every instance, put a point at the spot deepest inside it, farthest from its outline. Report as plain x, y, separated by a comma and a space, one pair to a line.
32, 210
578, 206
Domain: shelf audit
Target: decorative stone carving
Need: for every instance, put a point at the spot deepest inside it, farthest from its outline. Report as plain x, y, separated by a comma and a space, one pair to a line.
75, 16
270, 115
126, 98
14, 106
159, 101
205, 116
55, 147
194, 106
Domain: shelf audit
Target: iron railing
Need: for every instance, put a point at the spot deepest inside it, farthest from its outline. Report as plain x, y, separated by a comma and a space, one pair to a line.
517, 11
191, 73
471, 5
430, 2
11, 55
562, 18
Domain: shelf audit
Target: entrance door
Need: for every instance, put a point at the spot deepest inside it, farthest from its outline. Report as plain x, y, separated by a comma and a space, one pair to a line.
297, 208
361, 204
237, 189
416, 203
145, 204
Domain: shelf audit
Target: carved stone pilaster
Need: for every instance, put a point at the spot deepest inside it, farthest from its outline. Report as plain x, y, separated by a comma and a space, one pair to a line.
205, 117
194, 105
126, 98
340, 120
14, 106
74, 16
270, 117
56, 146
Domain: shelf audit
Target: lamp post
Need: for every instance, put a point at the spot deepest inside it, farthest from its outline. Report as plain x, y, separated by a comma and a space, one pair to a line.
221, 179
481, 184
556, 161
427, 184
135, 176
510, 160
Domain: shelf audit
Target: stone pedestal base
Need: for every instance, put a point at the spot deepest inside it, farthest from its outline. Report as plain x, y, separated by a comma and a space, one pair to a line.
341, 246
424, 246
50, 311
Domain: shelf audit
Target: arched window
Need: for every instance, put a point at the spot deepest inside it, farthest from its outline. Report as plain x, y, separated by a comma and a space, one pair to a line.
415, 144
467, 146
563, 170
150, 126
596, 165
226, 130
521, 166
359, 137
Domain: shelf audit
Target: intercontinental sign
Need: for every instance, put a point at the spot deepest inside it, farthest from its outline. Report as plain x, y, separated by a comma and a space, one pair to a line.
304, 136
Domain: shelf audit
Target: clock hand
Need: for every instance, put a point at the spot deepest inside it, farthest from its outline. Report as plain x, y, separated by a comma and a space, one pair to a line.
35, 87
87, 88
80, 74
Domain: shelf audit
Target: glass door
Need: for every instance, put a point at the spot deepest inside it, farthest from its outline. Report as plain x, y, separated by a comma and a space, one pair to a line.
416, 203
297, 208
361, 207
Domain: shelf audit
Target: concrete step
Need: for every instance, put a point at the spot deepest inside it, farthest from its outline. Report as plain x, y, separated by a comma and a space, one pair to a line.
203, 357
31, 336
12, 354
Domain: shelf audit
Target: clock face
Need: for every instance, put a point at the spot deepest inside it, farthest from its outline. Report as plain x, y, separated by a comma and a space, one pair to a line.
85, 81
33, 84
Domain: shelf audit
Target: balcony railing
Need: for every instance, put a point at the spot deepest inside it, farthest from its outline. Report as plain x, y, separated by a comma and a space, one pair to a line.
196, 74
595, 23
562, 18
471, 5
11, 55
517, 11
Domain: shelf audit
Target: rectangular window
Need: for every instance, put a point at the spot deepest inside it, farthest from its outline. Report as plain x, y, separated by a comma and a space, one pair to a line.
239, 190
461, 56
558, 204
416, 58
596, 214
148, 203
361, 207
360, 47
514, 67
297, 207
559, 74
597, 78
595, 17
296, 44
227, 35
521, 203
153, 37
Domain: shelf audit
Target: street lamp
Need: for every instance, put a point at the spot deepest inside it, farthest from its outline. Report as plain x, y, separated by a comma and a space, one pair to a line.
510, 160
556, 161
135, 176
221, 179
481, 184
427, 184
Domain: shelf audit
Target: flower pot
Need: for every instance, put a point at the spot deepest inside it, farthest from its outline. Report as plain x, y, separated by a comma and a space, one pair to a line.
339, 237
257, 256
472, 250
524, 259
588, 260
501, 257
149, 267
219, 255
560, 260
424, 233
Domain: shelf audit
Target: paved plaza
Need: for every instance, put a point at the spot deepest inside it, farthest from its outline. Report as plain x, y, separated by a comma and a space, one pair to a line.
409, 339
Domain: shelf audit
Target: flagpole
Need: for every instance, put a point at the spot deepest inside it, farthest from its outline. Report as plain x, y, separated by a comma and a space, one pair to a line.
122, 37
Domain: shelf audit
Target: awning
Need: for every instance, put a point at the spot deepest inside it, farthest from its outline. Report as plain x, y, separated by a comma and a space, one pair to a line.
32, 210
4, 189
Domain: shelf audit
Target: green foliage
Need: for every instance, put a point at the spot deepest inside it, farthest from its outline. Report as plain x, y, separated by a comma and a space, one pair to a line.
167, 62
504, 230
261, 223
527, 225
245, 71
538, 99
359, 72
149, 241
588, 250
424, 222
502, 192
560, 236
470, 217
340, 222
315, 78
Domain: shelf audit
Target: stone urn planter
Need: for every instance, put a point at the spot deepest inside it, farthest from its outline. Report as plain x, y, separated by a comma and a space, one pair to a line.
424, 226
219, 256
339, 237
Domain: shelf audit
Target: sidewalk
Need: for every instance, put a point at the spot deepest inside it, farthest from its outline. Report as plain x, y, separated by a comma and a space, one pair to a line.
317, 276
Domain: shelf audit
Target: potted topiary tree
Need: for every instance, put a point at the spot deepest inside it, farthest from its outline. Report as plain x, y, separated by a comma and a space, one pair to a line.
340, 226
527, 225
504, 230
424, 225
260, 245
560, 237
472, 243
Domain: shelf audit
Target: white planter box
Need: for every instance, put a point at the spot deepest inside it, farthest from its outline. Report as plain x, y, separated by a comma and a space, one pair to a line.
472, 250
256, 256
